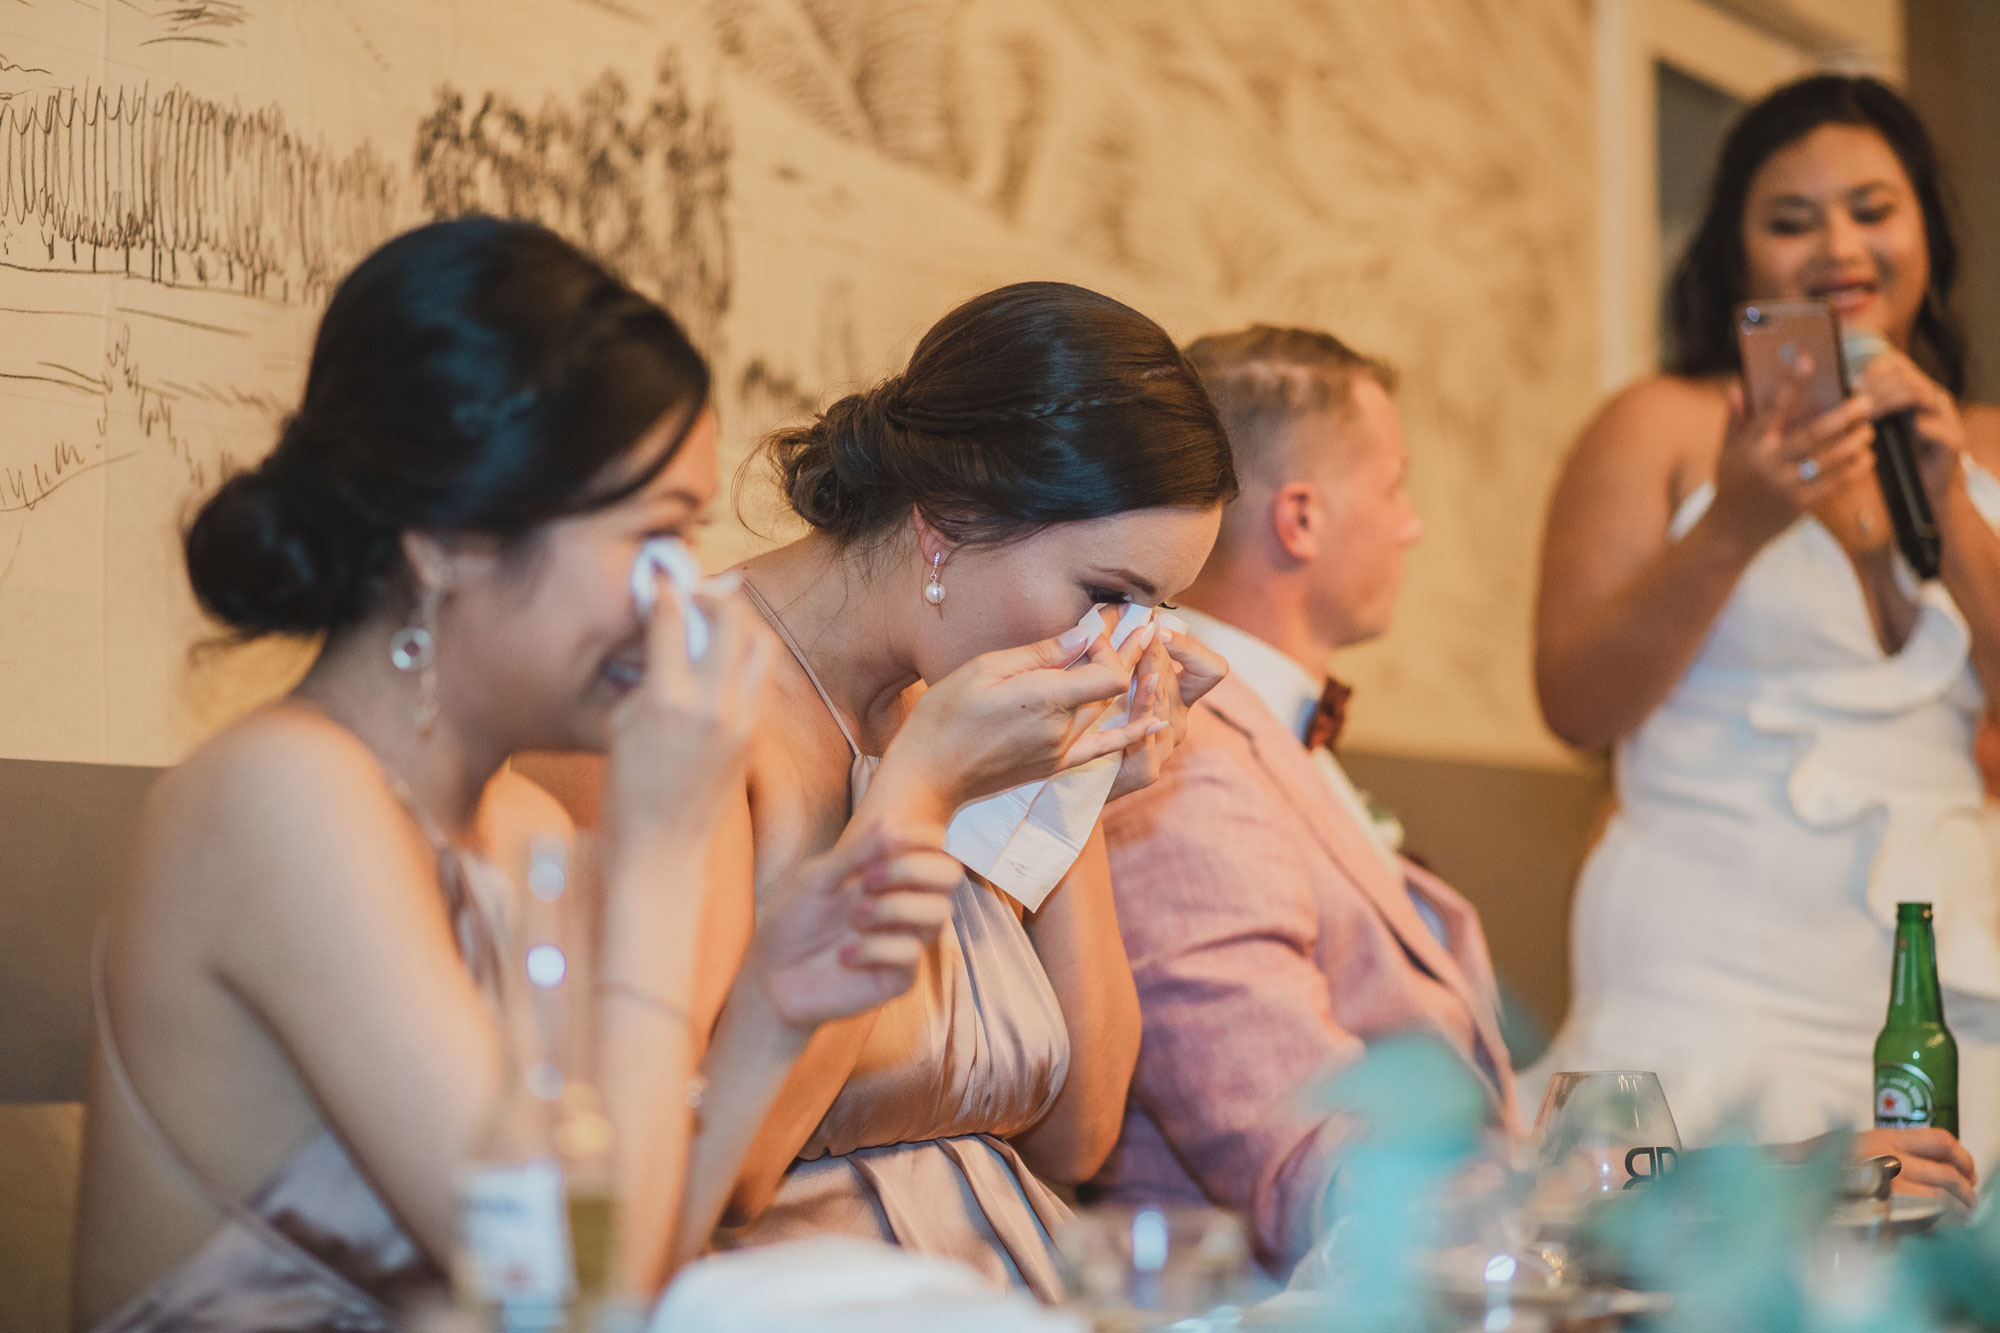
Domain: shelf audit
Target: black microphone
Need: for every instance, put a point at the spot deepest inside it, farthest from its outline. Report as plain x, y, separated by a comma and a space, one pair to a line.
1896, 465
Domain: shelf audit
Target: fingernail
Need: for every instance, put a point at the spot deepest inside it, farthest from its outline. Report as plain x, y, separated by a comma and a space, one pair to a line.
1173, 623
1156, 728
1071, 640
1166, 635
847, 953
1146, 633
864, 912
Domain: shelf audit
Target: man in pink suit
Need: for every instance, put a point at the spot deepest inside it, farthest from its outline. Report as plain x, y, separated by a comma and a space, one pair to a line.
1273, 928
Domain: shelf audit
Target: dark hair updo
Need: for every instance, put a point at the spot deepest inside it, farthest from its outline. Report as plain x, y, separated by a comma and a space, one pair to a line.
1033, 404
472, 376
1709, 281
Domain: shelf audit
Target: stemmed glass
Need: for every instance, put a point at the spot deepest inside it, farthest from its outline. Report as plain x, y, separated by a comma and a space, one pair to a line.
1601, 1132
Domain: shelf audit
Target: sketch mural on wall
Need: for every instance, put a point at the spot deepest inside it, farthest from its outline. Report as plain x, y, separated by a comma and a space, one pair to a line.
807, 183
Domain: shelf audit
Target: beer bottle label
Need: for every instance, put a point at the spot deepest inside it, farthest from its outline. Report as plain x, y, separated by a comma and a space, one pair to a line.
514, 1230
1904, 1098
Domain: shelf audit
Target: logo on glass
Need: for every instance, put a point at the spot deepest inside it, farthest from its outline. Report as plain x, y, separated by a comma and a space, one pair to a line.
1645, 1165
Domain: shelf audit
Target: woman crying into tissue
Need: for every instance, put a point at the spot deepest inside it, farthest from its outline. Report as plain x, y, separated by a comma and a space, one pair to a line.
983, 527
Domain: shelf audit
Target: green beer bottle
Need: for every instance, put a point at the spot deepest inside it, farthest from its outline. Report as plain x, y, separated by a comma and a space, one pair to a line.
1916, 1060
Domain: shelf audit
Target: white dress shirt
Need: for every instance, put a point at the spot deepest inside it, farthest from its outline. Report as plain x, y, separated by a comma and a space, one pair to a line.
1292, 694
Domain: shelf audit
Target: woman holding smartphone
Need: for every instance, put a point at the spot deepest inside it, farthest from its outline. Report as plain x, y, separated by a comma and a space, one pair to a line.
1792, 710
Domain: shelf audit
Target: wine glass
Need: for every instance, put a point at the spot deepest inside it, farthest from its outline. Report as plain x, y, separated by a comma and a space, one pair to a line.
1602, 1132
1151, 1266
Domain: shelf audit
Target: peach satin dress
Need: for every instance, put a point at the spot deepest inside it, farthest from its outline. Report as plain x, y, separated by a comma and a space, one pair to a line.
914, 1149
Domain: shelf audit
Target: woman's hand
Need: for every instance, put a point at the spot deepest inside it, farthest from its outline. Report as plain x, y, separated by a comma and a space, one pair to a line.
680, 737
1934, 1163
1770, 473
848, 930
1893, 384
1174, 671
1006, 718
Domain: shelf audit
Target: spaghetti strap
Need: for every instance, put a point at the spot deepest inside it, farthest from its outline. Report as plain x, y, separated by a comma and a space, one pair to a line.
799, 656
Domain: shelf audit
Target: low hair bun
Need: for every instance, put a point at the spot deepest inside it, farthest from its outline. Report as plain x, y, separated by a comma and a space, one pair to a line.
1032, 404
276, 551
476, 377
835, 472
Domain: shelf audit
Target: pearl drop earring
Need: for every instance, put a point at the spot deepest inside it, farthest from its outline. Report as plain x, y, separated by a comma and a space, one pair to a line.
934, 590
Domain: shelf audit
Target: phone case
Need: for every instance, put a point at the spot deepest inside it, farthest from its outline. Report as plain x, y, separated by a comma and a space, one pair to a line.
1772, 335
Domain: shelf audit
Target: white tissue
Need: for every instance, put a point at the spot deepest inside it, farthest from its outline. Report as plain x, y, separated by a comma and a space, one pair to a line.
671, 557
1025, 839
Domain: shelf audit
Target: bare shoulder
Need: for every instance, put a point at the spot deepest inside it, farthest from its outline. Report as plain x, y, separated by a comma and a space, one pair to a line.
515, 811
248, 807
279, 758
1662, 425
1647, 448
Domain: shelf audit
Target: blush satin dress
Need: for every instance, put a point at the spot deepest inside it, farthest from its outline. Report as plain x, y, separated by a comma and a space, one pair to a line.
914, 1149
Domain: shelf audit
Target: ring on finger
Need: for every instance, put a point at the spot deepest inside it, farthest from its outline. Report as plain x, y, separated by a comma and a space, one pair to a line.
1809, 470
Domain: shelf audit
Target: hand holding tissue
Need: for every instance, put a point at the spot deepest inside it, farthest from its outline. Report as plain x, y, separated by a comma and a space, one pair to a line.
1024, 840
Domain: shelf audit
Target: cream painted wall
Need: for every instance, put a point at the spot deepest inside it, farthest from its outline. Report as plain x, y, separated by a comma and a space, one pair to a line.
1876, 26
1416, 177
1866, 34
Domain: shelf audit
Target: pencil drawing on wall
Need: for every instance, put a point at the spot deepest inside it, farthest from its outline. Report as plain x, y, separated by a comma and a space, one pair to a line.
805, 183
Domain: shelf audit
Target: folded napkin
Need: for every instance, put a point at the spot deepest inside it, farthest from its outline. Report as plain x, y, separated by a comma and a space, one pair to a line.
839, 1284
1025, 839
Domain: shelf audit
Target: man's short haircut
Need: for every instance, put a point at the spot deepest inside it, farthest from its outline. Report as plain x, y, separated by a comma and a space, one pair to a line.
1263, 378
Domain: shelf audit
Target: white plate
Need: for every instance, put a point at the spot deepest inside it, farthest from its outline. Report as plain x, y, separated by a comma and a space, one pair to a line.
1908, 1214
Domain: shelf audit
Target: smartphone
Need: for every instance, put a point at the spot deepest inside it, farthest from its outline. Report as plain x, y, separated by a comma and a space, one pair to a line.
1772, 336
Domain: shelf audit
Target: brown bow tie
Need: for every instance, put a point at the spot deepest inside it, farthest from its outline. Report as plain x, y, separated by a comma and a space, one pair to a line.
1329, 717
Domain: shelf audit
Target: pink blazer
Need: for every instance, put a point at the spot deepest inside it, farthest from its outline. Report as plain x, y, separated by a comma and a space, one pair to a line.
1271, 944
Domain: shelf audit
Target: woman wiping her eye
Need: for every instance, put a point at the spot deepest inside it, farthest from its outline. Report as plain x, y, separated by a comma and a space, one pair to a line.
1046, 452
